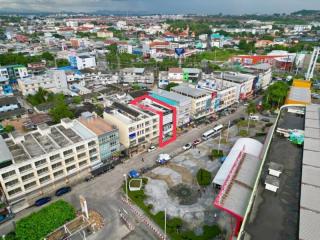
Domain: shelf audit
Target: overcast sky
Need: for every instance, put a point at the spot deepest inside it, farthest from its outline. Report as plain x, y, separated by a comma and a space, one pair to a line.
165, 6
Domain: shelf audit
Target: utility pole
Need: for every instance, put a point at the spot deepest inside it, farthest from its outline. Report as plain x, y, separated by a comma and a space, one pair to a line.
165, 223
228, 131
125, 177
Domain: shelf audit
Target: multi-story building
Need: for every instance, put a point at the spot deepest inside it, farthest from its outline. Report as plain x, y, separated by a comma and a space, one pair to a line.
201, 100
53, 80
13, 72
82, 61
244, 83
136, 75
35, 164
180, 102
137, 128
108, 136
223, 95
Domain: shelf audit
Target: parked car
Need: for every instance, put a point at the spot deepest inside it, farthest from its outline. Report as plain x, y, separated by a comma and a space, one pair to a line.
133, 174
42, 201
163, 158
152, 148
265, 120
254, 117
196, 142
187, 146
62, 191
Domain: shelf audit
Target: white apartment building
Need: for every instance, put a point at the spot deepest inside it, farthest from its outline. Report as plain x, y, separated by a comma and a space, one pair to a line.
37, 163
137, 129
223, 95
85, 61
136, 75
242, 82
201, 100
53, 80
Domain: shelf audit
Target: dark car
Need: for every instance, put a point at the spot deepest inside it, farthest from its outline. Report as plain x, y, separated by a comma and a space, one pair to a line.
62, 191
42, 201
267, 120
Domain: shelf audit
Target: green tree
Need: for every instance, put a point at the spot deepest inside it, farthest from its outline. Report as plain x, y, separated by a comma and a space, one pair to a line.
61, 109
9, 128
251, 108
171, 85
77, 100
62, 62
275, 95
47, 56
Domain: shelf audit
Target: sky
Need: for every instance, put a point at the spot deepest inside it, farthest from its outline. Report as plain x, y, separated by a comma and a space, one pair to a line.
165, 6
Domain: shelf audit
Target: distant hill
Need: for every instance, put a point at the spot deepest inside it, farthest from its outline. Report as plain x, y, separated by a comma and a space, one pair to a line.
305, 12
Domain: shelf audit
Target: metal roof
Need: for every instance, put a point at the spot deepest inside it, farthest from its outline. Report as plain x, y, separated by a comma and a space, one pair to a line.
310, 180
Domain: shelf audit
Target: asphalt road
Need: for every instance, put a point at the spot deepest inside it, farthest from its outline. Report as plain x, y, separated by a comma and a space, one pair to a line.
102, 193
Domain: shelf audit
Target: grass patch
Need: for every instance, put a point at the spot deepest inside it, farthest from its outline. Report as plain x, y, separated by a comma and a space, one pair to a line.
39, 224
243, 133
244, 123
204, 177
174, 225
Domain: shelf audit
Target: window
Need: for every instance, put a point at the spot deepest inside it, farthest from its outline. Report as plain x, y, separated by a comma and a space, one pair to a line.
92, 143
58, 173
71, 168
41, 162
30, 185
56, 165
54, 157
81, 155
44, 179
12, 183
82, 163
25, 168
8, 174
80, 147
69, 160
42, 171
28, 176
92, 159
92, 151
14, 191
68, 152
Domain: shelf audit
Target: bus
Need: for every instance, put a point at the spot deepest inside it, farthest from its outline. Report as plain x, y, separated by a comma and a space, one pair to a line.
208, 134
218, 128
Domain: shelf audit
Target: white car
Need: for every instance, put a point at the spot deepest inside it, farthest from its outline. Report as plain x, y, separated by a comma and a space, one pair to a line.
152, 148
254, 117
187, 146
163, 158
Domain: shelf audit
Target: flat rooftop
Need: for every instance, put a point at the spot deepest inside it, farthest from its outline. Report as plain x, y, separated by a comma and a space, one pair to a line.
41, 142
96, 125
276, 215
310, 181
189, 91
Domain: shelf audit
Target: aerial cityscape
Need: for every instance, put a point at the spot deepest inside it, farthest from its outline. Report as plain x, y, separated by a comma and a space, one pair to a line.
159, 120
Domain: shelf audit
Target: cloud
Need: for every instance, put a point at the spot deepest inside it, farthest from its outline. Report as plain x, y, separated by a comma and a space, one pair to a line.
164, 6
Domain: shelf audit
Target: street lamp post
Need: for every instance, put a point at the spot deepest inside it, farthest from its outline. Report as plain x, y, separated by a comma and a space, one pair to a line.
125, 177
248, 125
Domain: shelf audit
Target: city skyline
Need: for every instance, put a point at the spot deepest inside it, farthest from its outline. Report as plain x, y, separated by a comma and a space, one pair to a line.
165, 6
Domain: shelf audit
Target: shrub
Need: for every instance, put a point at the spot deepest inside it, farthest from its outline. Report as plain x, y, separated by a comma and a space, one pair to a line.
259, 134
204, 177
269, 124
39, 224
216, 153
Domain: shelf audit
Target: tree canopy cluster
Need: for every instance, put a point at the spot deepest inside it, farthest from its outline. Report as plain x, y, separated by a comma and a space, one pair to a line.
275, 95
19, 58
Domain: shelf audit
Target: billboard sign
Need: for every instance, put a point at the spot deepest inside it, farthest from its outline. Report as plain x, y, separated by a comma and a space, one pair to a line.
179, 51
